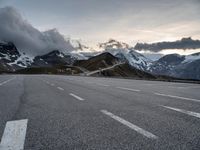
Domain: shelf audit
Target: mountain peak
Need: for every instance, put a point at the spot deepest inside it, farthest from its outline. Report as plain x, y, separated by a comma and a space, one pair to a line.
113, 44
54, 52
172, 59
9, 49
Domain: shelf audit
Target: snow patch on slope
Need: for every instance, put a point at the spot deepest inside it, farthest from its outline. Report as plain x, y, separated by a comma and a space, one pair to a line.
23, 61
191, 58
124, 51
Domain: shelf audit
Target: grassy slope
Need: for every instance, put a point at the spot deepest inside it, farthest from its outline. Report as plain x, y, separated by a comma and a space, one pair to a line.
50, 70
103, 60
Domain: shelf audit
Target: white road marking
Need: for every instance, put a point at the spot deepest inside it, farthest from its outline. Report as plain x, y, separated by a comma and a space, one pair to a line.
103, 84
178, 97
130, 125
123, 88
14, 135
52, 84
77, 97
60, 88
194, 114
4, 82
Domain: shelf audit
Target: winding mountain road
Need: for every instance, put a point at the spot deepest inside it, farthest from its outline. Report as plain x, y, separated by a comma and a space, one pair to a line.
103, 69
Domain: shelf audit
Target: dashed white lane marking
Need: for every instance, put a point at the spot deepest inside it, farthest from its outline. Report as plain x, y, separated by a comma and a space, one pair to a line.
52, 84
194, 114
124, 88
130, 125
77, 97
103, 84
60, 88
14, 135
4, 82
178, 97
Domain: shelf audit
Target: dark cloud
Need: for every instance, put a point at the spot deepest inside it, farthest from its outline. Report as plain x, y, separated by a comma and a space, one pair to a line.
13, 28
128, 20
184, 43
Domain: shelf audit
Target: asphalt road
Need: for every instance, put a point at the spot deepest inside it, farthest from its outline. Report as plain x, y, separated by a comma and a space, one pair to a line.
49, 112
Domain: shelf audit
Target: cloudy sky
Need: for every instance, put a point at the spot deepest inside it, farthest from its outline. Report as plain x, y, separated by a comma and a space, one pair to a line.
130, 21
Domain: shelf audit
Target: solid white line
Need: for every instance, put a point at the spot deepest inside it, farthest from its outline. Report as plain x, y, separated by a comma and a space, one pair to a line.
130, 125
178, 97
14, 135
60, 88
77, 97
4, 82
123, 88
194, 114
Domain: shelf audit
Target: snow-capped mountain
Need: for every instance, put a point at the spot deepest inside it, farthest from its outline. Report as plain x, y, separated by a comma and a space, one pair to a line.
79, 46
81, 51
126, 53
52, 59
192, 57
178, 66
11, 59
172, 65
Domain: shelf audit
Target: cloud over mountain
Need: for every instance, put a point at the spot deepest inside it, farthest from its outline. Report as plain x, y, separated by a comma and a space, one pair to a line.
184, 43
13, 28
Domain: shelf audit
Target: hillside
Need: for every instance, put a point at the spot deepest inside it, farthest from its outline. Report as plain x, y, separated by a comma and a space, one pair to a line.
68, 70
126, 70
179, 66
103, 60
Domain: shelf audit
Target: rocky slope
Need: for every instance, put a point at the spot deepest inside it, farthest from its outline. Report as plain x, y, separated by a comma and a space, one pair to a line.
11, 59
187, 67
103, 60
113, 53
125, 53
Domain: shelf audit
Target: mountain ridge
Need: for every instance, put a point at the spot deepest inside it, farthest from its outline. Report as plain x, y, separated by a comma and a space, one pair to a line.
174, 65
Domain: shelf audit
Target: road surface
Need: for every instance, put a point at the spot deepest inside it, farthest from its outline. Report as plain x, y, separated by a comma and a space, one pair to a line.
54, 112
103, 69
